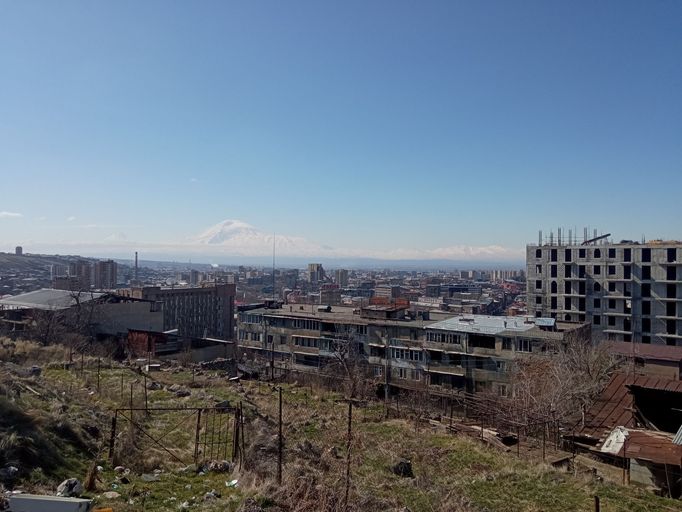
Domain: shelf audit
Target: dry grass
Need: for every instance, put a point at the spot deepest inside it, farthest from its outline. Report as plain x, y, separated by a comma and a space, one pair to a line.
451, 473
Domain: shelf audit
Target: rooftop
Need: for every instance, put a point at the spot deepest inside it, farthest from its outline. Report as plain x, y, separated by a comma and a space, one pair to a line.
337, 314
492, 325
646, 350
49, 299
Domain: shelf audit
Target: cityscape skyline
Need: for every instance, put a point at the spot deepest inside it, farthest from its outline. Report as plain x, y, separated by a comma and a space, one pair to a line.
383, 129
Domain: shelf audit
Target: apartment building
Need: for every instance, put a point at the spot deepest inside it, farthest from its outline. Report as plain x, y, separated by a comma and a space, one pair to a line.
627, 291
435, 352
304, 336
106, 274
200, 312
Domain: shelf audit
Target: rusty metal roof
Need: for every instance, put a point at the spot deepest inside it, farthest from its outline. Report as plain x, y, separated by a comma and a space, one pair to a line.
652, 446
646, 351
615, 405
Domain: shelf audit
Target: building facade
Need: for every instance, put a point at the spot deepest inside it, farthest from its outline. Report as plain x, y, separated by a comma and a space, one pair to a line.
200, 312
462, 353
106, 275
341, 277
82, 271
627, 291
315, 273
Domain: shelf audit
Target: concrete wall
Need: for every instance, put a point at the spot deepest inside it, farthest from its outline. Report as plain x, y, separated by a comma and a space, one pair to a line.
116, 318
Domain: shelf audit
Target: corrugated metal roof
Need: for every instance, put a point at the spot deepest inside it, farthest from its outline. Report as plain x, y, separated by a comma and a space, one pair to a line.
49, 299
678, 437
485, 324
650, 445
646, 350
615, 405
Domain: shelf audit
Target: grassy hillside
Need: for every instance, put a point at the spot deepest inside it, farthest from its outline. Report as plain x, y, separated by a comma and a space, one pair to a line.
450, 472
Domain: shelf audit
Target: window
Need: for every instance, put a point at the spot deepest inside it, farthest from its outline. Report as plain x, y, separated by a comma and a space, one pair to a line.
538, 299
553, 271
501, 366
567, 303
270, 338
597, 253
597, 287
538, 284
612, 303
646, 255
581, 288
646, 307
612, 287
282, 340
581, 271
646, 324
524, 345
672, 255
612, 253
596, 320
538, 253
506, 343
670, 308
671, 274
612, 270
612, 321
581, 253
581, 304
627, 254
378, 371
553, 303
597, 303
567, 255
627, 272
554, 287
671, 291
567, 317
553, 255
538, 269
646, 339
567, 287
671, 327
646, 272
646, 290
567, 270
597, 270
502, 390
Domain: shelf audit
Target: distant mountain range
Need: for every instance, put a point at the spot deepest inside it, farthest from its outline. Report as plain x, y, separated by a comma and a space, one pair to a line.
241, 239
234, 242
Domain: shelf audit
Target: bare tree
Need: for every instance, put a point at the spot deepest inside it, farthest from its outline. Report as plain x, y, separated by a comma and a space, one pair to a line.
560, 382
348, 360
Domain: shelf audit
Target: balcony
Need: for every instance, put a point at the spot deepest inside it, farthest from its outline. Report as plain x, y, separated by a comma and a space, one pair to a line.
305, 350
454, 348
446, 369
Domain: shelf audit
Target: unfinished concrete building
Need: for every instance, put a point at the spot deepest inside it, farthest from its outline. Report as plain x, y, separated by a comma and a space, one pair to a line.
627, 291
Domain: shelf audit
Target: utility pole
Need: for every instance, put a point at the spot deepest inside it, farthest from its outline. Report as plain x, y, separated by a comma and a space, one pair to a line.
280, 442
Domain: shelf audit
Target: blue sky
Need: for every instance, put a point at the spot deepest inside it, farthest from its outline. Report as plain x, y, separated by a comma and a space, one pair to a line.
365, 125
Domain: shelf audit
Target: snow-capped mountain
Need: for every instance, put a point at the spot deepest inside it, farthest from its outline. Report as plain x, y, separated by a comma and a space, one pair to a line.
239, 238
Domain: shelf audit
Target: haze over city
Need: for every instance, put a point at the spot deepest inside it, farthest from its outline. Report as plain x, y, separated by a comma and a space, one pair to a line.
384, 130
